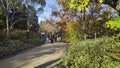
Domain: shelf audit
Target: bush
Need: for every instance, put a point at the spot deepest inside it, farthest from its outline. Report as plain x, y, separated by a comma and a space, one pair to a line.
113, 23
17, 34
15, 46
73, 32
35, 41
2, 35
96, 53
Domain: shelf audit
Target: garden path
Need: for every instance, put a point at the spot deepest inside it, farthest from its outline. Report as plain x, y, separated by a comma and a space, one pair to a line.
43, 56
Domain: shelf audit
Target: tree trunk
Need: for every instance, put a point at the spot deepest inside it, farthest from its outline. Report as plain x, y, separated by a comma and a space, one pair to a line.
8, 28
28, 26
28, 30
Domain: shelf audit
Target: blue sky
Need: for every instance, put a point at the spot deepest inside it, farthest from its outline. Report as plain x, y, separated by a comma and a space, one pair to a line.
51, 5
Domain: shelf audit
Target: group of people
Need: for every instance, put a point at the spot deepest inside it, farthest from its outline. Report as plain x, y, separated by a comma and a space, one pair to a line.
52, 38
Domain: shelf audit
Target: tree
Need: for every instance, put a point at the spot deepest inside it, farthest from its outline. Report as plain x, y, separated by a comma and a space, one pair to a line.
32, 18
10, 9
91, 23
118, 6
2, 18
7, 5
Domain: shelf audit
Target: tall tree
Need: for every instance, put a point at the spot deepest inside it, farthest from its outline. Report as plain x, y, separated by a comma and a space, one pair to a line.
7, 5
11, 8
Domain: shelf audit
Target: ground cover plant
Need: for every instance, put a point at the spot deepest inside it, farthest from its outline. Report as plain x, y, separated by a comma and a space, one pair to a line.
95, 53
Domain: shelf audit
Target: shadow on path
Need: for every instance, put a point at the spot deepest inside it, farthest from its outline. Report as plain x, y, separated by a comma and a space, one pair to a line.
47, 64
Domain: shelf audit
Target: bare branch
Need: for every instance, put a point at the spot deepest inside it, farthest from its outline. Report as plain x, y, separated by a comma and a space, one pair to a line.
17, 21
14, 12
3, 5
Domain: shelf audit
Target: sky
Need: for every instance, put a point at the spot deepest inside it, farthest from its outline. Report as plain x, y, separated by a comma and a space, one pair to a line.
51, 5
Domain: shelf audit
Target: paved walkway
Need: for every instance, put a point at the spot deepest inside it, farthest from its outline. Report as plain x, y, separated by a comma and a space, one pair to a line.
40, 57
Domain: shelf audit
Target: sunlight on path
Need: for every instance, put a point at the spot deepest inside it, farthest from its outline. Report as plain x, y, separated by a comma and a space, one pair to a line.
39, 57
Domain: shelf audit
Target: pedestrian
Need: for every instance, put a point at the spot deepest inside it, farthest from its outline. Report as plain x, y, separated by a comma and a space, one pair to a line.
51, 38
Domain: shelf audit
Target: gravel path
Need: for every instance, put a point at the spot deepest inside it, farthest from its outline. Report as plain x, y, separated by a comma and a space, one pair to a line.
42, 56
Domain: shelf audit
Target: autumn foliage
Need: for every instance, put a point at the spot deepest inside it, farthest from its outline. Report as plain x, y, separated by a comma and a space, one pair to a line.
72, 32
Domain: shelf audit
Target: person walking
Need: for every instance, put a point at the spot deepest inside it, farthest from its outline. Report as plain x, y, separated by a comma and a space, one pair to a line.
52, 38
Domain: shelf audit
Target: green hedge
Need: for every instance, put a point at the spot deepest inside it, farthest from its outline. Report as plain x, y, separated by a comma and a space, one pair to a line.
96, 53
33, 41
12, 47
15, 46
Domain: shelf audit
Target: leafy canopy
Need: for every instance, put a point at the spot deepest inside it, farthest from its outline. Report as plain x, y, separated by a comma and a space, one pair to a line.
78, 4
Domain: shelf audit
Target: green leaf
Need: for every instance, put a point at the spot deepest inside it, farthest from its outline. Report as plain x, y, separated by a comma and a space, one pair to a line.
114, 23
79, 8
71, 5
78, 4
